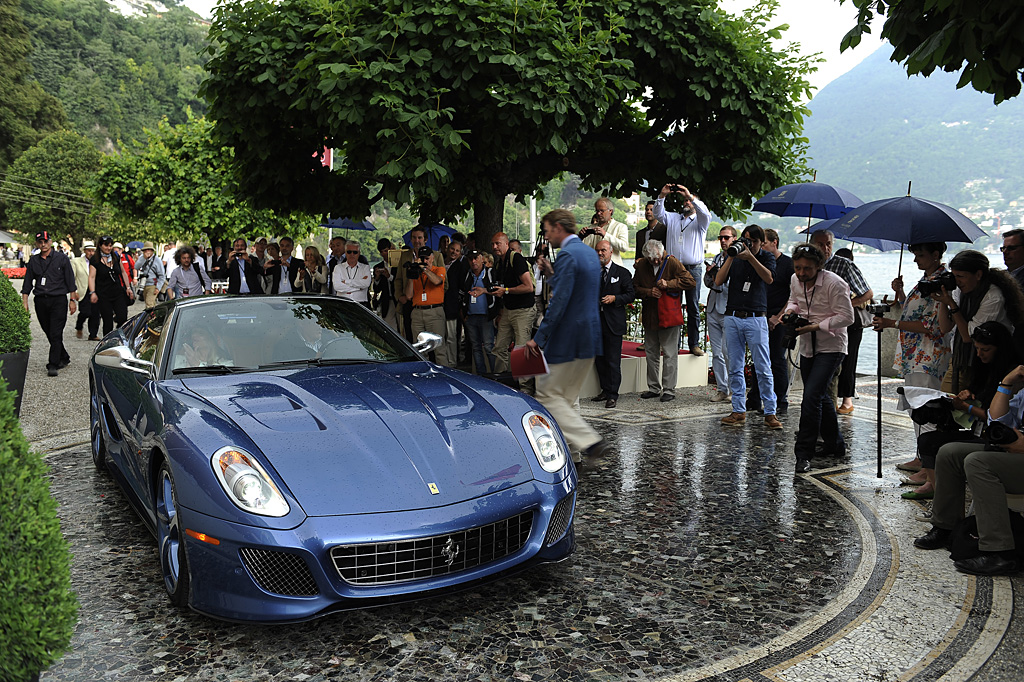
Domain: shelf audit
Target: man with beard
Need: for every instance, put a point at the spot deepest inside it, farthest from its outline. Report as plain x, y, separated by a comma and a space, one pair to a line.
823, 299
604, 228
683, 234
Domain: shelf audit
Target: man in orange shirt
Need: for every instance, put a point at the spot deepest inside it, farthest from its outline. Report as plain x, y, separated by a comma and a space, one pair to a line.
424, 286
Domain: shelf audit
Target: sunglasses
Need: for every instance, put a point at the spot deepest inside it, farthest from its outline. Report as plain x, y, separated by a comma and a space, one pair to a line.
1009, 247
983, 335
355, 252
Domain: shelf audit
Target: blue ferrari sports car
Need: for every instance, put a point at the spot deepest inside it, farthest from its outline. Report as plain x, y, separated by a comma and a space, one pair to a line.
294, 456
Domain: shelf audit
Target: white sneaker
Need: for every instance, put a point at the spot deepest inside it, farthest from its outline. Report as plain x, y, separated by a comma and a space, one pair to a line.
719, 396
925, 516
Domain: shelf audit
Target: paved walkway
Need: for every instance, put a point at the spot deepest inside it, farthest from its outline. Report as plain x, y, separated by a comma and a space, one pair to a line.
700, 556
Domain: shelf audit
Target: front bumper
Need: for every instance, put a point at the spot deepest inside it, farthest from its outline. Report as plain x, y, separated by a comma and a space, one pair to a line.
226, 586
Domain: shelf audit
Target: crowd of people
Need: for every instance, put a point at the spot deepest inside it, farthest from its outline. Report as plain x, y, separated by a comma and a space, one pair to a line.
960, 329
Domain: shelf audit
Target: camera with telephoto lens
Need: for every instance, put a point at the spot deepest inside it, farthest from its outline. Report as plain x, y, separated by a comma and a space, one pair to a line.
999, 434
878, 309
413, 269
738, 247
927, 287
791, 322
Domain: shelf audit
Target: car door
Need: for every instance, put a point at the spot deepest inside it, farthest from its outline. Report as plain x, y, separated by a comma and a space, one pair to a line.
134, 397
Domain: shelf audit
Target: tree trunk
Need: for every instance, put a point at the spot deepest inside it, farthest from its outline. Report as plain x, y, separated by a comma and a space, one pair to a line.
488, 221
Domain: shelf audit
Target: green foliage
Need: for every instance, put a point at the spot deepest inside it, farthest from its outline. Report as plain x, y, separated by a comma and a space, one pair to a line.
38, 610
451, 105
45, 188
27, 112
178, 185
116, 75
983, 41
15, 335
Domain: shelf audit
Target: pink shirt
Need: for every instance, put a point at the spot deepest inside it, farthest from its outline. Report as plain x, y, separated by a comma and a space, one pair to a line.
827, 302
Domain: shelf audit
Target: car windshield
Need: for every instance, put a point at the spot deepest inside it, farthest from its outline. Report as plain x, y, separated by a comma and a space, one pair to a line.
247, 334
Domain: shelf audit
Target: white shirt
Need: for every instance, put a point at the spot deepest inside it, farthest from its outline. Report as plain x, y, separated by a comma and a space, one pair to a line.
352, 282
684, 236
285, 285
617, 234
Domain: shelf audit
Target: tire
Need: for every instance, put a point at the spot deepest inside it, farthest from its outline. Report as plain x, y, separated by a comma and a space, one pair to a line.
171, 538
99, 448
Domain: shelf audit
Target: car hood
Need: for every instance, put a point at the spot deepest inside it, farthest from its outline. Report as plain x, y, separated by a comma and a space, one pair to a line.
355, 439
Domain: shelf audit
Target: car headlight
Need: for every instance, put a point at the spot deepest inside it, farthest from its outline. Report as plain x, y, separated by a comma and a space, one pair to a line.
247, 484
547, 446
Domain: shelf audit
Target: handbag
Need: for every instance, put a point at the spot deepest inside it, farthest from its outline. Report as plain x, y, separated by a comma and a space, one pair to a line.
670, 305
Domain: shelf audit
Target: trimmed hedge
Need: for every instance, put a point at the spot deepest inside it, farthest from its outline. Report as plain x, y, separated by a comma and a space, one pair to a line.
14, 320
38, 610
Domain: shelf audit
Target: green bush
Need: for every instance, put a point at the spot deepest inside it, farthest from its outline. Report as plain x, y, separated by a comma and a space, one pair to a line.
38, 610
14, 332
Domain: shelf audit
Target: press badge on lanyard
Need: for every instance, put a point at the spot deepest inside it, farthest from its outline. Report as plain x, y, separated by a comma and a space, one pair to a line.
42, 281
746, 287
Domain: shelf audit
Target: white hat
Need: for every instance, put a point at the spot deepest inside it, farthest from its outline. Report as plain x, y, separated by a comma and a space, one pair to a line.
87, 244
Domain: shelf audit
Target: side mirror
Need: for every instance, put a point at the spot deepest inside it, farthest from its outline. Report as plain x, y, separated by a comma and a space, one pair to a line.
121, 357
426, 342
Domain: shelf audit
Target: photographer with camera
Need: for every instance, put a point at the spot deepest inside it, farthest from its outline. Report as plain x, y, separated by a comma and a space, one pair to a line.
861, 294
992, 472
714, 312
982, 294
245, 273
424, 286
995, 355
684, 226
603, 228
513, 286
749, 269
821, 301
922, 355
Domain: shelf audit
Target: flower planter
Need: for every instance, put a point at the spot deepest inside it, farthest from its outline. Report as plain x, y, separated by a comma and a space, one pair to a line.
13, 370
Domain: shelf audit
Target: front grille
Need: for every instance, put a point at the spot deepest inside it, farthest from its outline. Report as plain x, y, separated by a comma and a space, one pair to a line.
280, 572
561, 518
394, 562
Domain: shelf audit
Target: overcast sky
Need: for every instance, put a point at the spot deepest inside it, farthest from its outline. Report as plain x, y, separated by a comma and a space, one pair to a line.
818, 25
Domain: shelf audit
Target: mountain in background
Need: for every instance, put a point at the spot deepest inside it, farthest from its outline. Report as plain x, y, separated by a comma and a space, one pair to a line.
873, 130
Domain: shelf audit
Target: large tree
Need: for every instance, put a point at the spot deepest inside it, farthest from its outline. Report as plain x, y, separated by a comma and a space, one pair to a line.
983, 40
27, 113
454, 105
46, 188
178, 185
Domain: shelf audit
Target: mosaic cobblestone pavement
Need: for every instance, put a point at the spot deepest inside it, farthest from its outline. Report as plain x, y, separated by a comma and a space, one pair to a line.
701, 556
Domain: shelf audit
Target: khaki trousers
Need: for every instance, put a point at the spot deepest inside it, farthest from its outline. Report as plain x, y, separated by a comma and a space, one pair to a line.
991, 475
559, 391
514, 325
430, 320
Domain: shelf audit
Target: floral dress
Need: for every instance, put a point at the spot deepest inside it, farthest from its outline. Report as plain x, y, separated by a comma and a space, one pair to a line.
926, 353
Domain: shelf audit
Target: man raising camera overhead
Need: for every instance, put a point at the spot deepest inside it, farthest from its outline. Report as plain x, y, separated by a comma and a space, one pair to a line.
684, 226
822, 299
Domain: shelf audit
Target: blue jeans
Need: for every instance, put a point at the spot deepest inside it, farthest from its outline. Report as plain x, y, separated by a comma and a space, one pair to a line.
481, 338
817, 410
780, 373
719, 353
740, 334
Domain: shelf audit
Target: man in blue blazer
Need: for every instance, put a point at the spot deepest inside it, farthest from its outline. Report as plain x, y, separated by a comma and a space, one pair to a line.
570, 334
616, 293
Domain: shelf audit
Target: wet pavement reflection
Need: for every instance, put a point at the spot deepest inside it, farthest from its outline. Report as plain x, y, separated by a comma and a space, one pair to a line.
695, 542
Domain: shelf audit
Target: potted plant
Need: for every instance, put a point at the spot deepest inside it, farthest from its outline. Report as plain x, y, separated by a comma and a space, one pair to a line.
38, 610
15, 339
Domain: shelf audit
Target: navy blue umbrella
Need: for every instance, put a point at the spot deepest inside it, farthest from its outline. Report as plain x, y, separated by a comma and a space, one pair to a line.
909, 220
880, 244
808, 200
434, 234
347, 224
134, 245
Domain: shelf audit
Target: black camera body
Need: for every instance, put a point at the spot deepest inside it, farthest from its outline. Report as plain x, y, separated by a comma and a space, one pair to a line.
738, 247
927, 287
791, 322
413, 269
675, 203
999, 434
878, 309
938, 411
586, 232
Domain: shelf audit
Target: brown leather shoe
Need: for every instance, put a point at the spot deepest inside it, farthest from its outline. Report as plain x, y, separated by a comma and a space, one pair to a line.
78, 333
772, 422
735, 419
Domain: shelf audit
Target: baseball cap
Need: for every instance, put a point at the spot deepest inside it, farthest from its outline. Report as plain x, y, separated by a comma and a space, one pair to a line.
424, 251
43, 236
